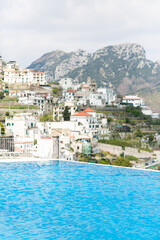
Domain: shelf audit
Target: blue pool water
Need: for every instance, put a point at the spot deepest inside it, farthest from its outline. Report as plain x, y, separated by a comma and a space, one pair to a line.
65, 200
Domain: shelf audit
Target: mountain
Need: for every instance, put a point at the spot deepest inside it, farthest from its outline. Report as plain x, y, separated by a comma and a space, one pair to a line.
125, 66
57, 64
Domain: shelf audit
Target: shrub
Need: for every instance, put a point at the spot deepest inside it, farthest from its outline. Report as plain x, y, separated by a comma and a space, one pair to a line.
46, 118
122, 161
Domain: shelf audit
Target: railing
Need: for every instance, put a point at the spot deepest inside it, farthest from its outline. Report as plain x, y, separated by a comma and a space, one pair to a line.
11, 148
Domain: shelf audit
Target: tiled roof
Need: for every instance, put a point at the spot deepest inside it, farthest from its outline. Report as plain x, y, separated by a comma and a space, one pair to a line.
46, 138
71, 90
82, 114
89, 110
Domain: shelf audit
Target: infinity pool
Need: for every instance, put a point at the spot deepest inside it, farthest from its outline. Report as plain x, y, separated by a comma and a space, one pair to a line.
65, 200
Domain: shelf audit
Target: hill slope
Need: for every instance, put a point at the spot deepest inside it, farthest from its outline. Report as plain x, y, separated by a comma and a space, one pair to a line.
125, 66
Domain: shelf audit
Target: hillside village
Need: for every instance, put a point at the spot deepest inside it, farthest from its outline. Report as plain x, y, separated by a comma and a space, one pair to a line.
73, 120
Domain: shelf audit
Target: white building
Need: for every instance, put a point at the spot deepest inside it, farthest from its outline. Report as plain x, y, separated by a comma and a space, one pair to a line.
66, 83
25, 146
146, 111
70, 125
96, 99
20, 123
93, 126
69, 94
107, 94
133, 100
45, 147
12, 65
24, 76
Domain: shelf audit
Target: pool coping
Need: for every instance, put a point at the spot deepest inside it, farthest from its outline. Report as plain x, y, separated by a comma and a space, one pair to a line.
13, 160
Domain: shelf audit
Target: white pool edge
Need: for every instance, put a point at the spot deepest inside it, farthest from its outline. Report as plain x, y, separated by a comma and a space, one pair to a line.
13, 160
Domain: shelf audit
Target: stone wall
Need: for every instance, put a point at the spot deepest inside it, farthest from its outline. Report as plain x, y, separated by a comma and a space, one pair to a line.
117, 150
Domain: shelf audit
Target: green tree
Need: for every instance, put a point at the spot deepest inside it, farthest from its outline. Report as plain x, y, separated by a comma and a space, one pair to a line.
151, 138
7, 114
127, 120
66, 114
2, 131
1, 95
109, 120
138, 133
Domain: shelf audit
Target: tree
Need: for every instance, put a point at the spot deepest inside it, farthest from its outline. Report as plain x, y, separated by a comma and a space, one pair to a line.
66, 114
1, 95
127, 120
2, 130
138, 133
151, 137
109, 120
7, 114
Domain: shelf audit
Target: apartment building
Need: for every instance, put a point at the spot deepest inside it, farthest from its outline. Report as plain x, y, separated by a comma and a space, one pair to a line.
58, 109
24, 76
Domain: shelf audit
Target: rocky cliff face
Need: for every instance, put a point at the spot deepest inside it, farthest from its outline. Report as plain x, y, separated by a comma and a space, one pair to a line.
125, 66
57, 64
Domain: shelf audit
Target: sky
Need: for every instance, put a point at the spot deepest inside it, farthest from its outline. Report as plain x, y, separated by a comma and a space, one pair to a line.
30, 28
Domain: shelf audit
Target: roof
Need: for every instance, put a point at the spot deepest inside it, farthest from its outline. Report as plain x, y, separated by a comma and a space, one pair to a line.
71, 90
131, 98
46, 138
82, 114
89, 110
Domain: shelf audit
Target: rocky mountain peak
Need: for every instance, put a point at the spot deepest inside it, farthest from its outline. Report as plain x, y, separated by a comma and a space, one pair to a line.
125, 51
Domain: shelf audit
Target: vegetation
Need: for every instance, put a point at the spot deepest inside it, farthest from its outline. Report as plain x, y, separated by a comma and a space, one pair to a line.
9, 99
122, 142
138, 133
106, 158
2, 129
19, 107
57, 91
132, 158
71, 149
66, 114
151, 138
46, 118
122, 161
134, 111
1, 95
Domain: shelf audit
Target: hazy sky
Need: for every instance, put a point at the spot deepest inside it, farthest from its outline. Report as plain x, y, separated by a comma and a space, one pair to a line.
30, 28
